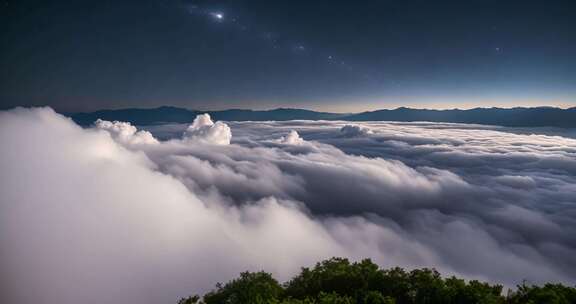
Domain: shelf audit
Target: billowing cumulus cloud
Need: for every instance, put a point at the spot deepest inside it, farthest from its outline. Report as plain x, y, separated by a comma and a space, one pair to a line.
125, 132
203, 130
292, 138
89, 214
355, 130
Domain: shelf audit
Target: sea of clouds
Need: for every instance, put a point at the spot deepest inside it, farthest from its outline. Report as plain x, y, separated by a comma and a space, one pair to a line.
119, 214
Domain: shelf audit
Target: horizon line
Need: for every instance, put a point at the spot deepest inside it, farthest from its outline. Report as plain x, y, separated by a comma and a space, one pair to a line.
305, 109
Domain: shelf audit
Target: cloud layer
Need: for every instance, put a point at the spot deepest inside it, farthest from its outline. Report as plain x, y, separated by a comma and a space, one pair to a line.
112, 214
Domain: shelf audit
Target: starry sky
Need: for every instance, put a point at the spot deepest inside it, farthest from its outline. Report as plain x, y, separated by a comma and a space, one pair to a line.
339, 56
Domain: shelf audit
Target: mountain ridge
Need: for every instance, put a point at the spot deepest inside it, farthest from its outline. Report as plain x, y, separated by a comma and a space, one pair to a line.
510, 117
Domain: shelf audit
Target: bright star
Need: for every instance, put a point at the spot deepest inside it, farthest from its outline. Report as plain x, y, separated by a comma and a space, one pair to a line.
218, 16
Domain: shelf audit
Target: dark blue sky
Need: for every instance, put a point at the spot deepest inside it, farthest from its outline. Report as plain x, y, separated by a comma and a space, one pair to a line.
327, 55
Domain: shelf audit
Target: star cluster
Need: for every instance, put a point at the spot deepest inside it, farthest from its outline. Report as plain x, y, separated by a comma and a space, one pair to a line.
277, 42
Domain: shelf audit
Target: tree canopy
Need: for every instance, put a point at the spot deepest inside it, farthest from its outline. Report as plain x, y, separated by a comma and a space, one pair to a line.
338, 281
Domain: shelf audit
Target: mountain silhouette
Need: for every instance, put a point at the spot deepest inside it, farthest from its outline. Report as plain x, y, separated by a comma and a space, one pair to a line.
513, 117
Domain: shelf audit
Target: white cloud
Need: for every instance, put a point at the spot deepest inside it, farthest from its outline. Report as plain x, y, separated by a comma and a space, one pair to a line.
125, 132
355, 130
205, 131
292, 138
516, 181
83, 219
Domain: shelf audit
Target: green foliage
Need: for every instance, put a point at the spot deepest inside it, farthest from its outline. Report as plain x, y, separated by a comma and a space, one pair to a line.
251, 287
375, 297
336, 275
333, 298
190, 300
338, 281
458, 292
296, 301
547, 294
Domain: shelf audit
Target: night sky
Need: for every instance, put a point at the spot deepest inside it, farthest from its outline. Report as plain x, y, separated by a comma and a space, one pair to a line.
342, 56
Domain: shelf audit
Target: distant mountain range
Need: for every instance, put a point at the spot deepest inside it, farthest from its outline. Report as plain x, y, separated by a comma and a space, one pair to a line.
180, 115
513, 117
